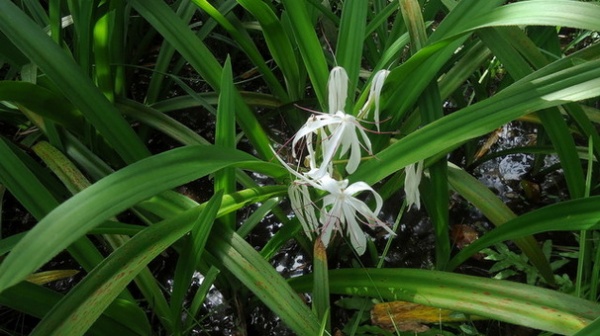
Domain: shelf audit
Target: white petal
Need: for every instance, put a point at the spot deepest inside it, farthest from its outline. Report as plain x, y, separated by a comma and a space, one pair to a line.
376, 88
296, 199
357, 187
357, 236
301, 178
338, 89
355, 157
312, 126
374, 95
334, 187
330, 219
329, 147
411, 184
309, 209
327, 231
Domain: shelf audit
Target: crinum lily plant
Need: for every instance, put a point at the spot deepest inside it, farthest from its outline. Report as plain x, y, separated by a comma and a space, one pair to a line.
338, 133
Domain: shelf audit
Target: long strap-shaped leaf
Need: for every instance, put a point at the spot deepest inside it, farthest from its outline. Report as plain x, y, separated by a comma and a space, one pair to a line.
280, 46
580, 214
309, 46
69, 78
498, 213
113, 194
410, 79
172, 28
85, 303
260, 277
535, 92
350, 42
37, 301
498, 299
590, 330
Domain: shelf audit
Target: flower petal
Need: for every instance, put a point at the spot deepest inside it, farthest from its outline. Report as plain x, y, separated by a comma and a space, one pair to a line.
358, 238
304, 212
413, 172
338, 89
374, 95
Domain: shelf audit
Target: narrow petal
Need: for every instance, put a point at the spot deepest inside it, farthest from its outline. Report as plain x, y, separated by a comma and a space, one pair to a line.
355, 157
414, 172
365, 137
312, 126
376, 88
331, 220
357, 187
301, 178
358, 238
334, 187
329, 147
296, 200
374, 96
308, 208
338, 89
328, 226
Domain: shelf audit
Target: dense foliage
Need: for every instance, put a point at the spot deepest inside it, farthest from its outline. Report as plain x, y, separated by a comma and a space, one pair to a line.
146, 131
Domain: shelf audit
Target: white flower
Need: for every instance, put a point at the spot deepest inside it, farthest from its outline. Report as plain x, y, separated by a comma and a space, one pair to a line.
338, 131
342, 211
413, 173
374, 95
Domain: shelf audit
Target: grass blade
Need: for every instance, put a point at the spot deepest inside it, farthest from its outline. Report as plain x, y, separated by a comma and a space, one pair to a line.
498, 213
113, 194
260, 277
310, 48
580, 214
68, 77
502, 300
350, 42
225, 136
190, 257
83, 304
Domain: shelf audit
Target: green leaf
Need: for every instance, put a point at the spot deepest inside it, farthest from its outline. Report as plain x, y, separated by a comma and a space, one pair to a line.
590, 330
113, 194
69, 78
27, 182
580, 214
83, 304
279, 44
260, 277
310, 48
225, 136
174, 30
350, 40
190, 256
540, 90
498, 213
321, 305
38, 301
41, 101
501, 300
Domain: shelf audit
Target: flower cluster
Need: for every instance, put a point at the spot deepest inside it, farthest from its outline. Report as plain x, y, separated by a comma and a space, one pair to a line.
337, 134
